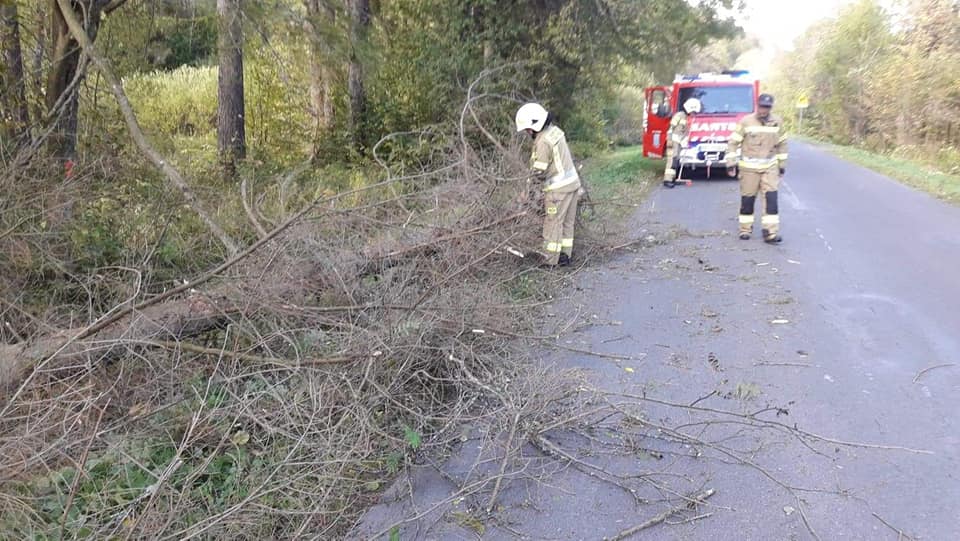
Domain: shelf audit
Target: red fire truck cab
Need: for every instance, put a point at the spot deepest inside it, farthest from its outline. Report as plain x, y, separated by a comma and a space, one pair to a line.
725, 98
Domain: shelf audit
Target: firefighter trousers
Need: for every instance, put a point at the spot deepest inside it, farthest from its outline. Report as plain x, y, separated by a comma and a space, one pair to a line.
670, 173
764, 184
560, 216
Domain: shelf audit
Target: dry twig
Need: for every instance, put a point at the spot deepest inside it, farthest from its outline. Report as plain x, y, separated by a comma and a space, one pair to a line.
925, 370
900, 533
629, 532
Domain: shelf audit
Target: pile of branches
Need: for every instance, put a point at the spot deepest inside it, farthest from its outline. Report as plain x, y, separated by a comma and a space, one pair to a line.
272, 395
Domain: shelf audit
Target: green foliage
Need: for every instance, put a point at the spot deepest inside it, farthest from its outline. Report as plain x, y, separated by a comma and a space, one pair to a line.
121, 224
181, 105
843, 64
879, 81
573, 53
186, 44
179, 102
623, 166
626, 110
721, 54
141, 38
618, 178
113, 481
278, 125
412, 437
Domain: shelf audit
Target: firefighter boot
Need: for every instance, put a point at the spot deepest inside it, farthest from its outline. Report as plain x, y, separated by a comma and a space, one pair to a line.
564, 260
746, 216
771, 218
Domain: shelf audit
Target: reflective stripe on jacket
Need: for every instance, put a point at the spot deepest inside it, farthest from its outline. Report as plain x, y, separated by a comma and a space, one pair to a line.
552, 157
758, 144
679, 128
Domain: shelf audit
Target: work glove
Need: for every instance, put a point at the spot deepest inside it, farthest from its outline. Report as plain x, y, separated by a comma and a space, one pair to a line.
782, 171
732, 171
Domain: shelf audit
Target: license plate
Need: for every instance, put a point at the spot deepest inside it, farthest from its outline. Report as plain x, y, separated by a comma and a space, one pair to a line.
713, 147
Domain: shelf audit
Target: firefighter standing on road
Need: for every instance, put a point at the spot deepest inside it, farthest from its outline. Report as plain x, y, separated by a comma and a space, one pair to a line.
552, 166
677, 139
758, 149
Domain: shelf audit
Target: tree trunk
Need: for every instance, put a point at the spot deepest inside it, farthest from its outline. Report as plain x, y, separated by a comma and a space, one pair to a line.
68, 70
320, 15
61, 96
63, 80
231, 137
13, 100
40, 23
359, 22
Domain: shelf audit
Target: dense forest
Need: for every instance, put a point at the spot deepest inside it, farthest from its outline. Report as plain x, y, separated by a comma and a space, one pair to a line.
255, 255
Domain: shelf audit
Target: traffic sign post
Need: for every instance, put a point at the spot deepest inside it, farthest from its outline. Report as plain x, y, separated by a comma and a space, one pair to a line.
802, 103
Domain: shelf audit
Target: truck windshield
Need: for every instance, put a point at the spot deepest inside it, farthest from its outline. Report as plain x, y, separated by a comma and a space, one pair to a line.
720, 99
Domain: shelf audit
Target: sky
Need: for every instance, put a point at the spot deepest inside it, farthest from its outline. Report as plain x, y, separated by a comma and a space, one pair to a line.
777, 23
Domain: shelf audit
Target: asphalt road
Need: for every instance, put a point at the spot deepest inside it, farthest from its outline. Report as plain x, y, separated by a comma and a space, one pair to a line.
865, 296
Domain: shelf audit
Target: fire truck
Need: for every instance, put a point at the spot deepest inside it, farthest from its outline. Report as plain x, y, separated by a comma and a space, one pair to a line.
726, 97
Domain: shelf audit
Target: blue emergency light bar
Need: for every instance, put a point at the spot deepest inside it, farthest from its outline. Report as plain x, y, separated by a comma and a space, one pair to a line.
725, 74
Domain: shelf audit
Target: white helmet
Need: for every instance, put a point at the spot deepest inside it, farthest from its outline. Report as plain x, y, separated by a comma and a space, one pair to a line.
692, 105
531, 116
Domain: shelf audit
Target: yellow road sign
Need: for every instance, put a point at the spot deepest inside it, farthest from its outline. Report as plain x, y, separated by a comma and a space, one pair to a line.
803, 102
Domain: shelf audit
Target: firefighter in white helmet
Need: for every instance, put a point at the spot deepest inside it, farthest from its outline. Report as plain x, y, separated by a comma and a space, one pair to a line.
758, 149
677, 139
554, 171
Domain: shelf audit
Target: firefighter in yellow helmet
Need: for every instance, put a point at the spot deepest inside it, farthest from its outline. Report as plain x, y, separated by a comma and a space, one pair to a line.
758, 149
677, 140
553, 168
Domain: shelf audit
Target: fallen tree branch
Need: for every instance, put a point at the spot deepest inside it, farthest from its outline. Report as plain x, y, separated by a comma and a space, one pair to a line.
551, 449
601, 355
700, 498
800, 365
220, 352
503, 464
75, 485
624, 245
775, 424
925, 370
806, 521
453, 236
249, 210
900, 533
691, 519
18, 358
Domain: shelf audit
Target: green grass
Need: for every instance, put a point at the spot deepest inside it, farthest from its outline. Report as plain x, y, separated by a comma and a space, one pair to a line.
913, 173
622, 176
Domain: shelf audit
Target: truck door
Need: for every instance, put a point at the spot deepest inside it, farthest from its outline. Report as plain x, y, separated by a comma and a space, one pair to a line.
656, 121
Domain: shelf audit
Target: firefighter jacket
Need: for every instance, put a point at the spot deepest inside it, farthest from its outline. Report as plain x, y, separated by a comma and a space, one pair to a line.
758, 145
552, 160
679, 129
